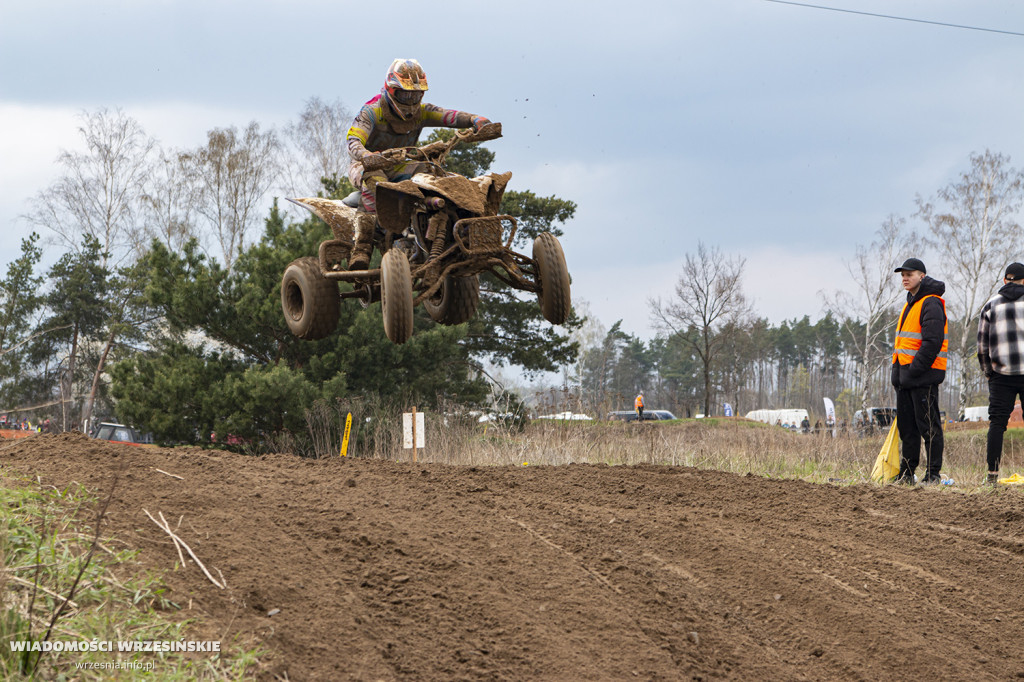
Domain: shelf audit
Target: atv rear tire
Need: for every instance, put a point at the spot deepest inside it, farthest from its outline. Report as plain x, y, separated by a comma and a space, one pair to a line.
309, 300
396, 296
553, 274
456, 300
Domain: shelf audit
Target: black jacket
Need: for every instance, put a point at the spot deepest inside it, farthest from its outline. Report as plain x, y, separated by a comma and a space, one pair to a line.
920, 372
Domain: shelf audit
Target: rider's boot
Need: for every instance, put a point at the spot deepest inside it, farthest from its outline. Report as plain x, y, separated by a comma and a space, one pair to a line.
363, 247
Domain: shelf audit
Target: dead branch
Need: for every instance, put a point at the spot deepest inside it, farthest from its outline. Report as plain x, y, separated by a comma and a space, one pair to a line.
165, 527
180, 478
101, 514
5, 351
181, 557
33, 584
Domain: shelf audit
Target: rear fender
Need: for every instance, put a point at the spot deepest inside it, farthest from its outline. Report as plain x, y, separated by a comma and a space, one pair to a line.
339, 217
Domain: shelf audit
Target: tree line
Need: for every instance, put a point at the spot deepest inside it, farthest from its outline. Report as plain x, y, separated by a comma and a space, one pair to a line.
712, 347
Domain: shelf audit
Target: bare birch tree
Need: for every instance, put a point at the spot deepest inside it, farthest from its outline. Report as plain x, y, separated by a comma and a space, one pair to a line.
318, 146
973, 227
231, 175
867, 313
708, 296
168, 203
97, 194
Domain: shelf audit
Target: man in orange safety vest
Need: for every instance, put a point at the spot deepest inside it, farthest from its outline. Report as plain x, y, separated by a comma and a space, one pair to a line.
918, 367
639, 405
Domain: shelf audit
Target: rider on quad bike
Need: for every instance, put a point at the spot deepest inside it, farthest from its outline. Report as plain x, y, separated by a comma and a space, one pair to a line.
394, 118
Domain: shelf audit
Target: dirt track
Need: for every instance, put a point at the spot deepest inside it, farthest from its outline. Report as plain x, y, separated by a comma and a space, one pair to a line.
386, 571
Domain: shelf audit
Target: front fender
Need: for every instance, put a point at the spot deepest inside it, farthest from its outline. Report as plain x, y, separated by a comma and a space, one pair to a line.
395, 204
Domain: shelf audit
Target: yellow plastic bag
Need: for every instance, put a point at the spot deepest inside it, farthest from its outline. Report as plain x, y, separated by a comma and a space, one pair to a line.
887, 465
1016, 479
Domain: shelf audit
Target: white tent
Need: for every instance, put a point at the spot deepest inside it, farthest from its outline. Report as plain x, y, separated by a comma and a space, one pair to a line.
976, 414
791, 417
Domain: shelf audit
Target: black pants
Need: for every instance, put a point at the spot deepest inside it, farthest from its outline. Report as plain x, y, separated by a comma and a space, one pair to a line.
1002, 394
917, 417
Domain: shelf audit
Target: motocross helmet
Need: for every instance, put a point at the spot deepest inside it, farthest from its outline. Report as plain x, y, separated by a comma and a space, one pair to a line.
404, 87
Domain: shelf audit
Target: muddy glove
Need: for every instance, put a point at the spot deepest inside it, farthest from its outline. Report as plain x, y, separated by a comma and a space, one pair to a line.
478, 123
373, 161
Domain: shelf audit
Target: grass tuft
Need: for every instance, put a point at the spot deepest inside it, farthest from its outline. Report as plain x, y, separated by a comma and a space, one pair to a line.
62, 582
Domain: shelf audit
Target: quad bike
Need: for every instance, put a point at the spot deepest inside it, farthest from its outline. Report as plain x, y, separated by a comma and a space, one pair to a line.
437, 232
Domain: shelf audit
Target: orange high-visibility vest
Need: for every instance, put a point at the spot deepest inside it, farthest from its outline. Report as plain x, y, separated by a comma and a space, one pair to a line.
908, 336
639, 402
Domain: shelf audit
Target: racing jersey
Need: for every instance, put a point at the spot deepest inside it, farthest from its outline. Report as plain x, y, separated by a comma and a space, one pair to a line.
372, 132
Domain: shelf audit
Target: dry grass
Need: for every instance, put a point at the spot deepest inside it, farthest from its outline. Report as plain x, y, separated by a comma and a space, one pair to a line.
734, 445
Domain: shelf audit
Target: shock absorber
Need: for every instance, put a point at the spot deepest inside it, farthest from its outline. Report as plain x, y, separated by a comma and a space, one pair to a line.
437, 232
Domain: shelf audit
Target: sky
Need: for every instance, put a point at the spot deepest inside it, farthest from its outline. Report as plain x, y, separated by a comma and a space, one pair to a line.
781, 134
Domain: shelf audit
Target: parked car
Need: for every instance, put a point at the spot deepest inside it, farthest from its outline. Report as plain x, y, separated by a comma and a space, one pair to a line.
119, 433
873, 419
649, 415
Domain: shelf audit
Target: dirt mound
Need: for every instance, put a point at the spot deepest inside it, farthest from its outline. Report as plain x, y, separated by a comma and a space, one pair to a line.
384, 570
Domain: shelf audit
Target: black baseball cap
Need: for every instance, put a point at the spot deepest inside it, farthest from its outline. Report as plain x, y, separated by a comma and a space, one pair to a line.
912, 264
1015, 271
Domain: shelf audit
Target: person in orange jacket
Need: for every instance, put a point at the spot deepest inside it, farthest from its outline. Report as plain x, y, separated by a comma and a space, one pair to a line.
918, 367
639, 405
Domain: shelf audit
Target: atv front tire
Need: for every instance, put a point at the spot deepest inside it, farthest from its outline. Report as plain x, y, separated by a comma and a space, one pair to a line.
309, 300
456, 300
396, 296
553, 274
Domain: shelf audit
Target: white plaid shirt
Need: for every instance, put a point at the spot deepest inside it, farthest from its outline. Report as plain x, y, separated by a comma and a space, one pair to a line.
1001, 333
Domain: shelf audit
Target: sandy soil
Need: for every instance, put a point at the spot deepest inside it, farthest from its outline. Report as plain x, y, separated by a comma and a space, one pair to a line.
386, 571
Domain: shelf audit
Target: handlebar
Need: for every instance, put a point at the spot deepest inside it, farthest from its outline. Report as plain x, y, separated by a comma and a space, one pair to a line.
435, 152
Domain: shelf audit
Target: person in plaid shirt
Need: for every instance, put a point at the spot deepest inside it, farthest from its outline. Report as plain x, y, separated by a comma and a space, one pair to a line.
1001, 355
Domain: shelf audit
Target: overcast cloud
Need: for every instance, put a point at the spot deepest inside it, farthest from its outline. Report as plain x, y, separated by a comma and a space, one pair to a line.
783, 134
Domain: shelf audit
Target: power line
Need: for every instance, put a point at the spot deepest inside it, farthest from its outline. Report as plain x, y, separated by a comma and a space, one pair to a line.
889, 16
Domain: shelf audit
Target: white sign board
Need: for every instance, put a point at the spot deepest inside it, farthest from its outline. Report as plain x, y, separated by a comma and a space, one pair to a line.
407, 430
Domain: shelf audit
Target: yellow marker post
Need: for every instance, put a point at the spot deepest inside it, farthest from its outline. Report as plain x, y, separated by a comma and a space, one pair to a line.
348, 430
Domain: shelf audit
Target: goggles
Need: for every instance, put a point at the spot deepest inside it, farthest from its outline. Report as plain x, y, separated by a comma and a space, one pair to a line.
408, 96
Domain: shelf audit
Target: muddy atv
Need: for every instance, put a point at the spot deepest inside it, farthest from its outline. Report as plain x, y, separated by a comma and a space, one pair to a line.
437, 231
